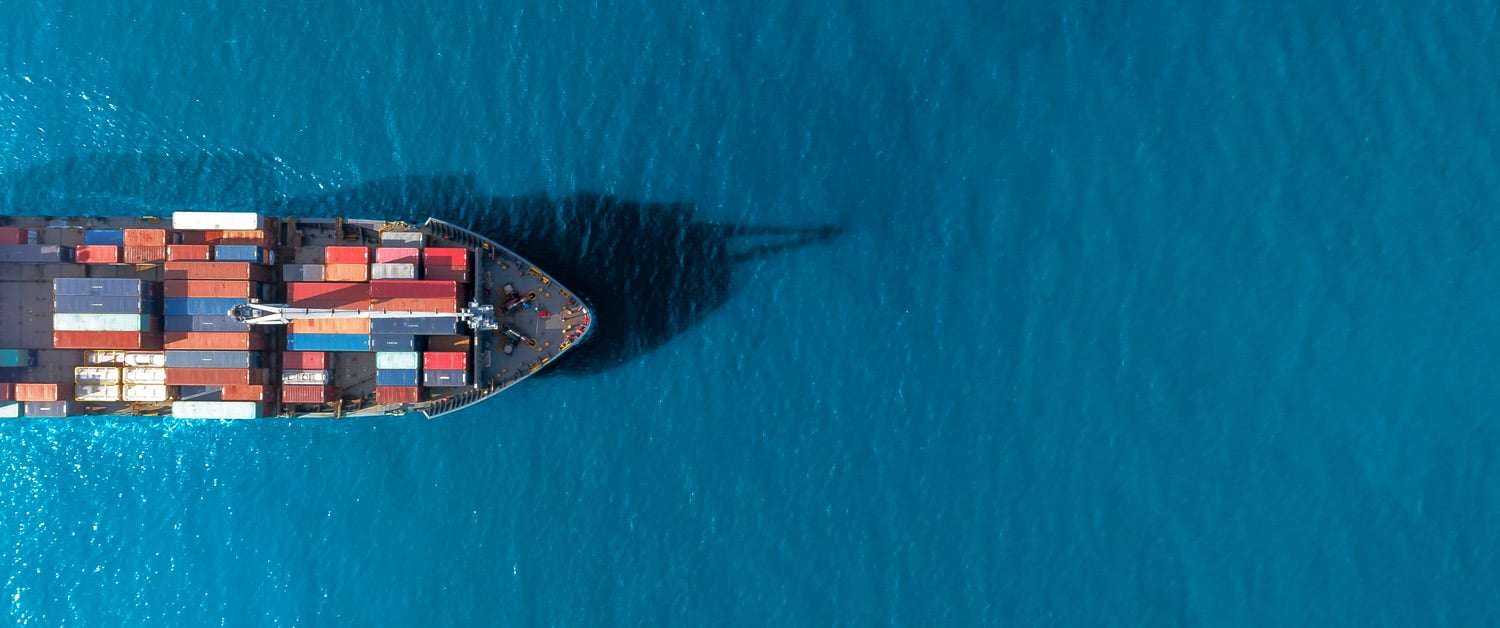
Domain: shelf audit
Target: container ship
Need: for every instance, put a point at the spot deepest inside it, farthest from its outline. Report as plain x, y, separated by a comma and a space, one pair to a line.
236, 315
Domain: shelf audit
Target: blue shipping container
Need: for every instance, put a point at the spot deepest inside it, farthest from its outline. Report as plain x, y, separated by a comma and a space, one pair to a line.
237, 253
438, 378
17, 357
417, 326
35, 253
204, 323
391, 377
83, 304
198, 306
115, 237
393, 342
214, 359
327, 342
91, 286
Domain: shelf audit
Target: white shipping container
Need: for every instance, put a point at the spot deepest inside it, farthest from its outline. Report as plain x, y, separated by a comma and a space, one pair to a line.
380, 270
304, 378
398, 360
69, 321
97, 375
403, 238
144, 375
215, 221
105, 357
215, 409
145, 392
10, 409
97, 392
157, 359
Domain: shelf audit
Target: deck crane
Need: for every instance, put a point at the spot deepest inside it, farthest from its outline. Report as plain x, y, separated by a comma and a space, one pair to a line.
477, 316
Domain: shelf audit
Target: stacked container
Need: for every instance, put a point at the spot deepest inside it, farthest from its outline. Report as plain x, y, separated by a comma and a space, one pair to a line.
414, 296
450, 264
346, 263
397, 369
445, 368
96, 383
102, 313
144, 246
305, 377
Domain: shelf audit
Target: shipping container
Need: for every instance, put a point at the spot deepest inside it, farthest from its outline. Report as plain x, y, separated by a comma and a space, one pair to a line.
10, 409
144, 254
305, 377
393, 342
104, 357
17, 357
242, 392
398, 255
208, 221
304, 360
456, 275
145, 237
7, 391
189, 253
398, 394
445, 360
445, 258
346, 255
438, 379
438, 304
81, 304
302, 272
239, 253
414, 239
246, 237
215, 409
47, 409
212, 340
394, 377
177, 288
214, 359
417, 326
342, 296
43, 392
156, 359
199, 306
97, 254
96, 392
34, 253
105, 237
329, 326
143, 375
204, 323
327, 342
414, 289
143, 392
96, 374
199, 393
306, 394
380, 272
214, 377
16, 235
100, 287
398, 360
346, 272
73, 321
106, 340
241, 271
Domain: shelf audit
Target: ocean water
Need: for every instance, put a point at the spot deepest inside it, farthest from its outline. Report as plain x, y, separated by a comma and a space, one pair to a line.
1147, 314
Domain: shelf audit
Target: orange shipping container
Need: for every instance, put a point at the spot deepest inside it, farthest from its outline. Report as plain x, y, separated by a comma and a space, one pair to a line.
413, 304
43, 392
346, 272
330, 326
217, 270
215, 340
256, 237
145, 237
144, 254
97, 254
188, 252
213, 377
239, 392
214, 289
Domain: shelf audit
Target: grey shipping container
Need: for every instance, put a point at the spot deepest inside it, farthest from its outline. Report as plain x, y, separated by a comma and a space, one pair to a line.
98, 287
200, 393
214, 359
35, 253
85, 304
302, 272
421, 326
204, 323
51, 409
439, 378
393, 342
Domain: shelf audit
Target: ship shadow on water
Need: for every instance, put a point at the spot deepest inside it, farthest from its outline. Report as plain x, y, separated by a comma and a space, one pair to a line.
650, 271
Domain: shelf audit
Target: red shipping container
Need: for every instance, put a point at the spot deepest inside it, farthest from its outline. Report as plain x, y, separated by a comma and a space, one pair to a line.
445, 361
346, 255
304, 360
306, 394
457, 275
318, 294
446, 257
397, 394
414, 305
13, 235
398, 255
242, 392
217, 270
213, 377
97, 254
7, 392
414, 289
188, 252
174, 288
193, 237
145, 237
106, 340
144, 254
214, 340
43, 392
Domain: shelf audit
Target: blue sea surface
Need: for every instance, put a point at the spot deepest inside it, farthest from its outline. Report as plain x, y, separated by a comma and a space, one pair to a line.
1140, 313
